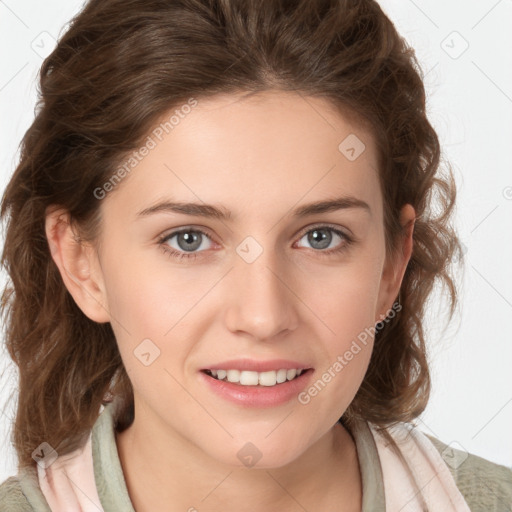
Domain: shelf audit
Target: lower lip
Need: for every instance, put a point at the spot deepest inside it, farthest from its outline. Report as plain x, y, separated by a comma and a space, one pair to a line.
258, 396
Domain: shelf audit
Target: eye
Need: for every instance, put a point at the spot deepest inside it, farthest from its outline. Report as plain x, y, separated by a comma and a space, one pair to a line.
321, 237
187, 240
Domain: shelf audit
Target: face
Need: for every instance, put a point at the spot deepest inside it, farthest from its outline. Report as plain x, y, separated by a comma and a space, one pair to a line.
267, 283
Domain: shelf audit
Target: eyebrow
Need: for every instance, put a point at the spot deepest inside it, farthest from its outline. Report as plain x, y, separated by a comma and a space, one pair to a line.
222, 213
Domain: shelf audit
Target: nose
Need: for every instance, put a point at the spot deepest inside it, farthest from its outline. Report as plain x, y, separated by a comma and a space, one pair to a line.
262, 303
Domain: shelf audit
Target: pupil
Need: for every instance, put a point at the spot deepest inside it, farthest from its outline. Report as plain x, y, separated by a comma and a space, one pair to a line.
319, 236
189, 239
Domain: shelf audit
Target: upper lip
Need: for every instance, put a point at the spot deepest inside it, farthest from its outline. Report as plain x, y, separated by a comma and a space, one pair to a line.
258, 366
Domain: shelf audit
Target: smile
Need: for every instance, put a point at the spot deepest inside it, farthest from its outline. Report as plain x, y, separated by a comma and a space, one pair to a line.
251, 378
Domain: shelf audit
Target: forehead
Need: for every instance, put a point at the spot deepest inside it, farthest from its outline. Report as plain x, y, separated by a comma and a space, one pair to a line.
269, 148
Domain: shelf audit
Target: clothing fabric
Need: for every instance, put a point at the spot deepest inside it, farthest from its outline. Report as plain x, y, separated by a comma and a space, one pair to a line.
68, 483
424, 475
91, 479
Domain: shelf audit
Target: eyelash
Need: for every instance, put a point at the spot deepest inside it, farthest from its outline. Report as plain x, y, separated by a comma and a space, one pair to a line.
172, 253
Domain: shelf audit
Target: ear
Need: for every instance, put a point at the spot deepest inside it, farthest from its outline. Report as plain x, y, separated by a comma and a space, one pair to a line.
78, 265
394, 268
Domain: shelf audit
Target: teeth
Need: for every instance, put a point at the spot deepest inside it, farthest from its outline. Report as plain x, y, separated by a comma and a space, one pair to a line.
267, 378
250, 378
281, 376
233, 375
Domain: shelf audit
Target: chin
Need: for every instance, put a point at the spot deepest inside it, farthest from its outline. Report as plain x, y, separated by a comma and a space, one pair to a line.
259, 455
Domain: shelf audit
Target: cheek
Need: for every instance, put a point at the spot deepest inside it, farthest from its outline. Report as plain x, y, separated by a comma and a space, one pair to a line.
135, 303
147, 298
152, 316
346, 301
345, 360
346, 306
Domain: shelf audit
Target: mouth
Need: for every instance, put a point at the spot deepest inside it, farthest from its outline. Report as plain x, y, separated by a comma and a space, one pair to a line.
251, 383
257, 379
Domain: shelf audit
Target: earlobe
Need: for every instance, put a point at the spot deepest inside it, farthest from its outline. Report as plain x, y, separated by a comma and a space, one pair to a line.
75, 261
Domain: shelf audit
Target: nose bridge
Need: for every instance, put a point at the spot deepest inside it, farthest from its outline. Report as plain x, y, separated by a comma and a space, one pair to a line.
261, 303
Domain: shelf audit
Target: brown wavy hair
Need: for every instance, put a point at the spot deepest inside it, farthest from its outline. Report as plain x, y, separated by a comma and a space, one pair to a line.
117, 68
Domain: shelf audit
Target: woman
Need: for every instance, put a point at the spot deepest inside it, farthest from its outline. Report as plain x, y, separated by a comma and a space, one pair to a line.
194, 170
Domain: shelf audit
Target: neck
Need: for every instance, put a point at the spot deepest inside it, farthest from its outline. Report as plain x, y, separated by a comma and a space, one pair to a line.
324, 477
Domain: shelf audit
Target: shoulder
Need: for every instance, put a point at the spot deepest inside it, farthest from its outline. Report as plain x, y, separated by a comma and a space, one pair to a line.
11, 496
21, 493
484, 484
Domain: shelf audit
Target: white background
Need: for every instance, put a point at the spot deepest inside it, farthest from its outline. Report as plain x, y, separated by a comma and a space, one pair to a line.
470, 105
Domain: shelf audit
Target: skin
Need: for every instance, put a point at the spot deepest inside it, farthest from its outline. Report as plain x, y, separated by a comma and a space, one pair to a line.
261, 157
